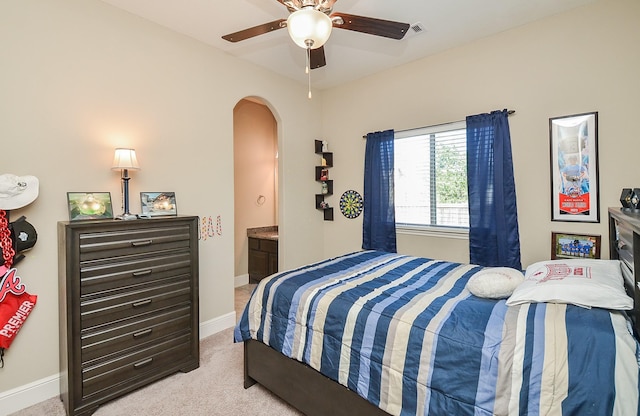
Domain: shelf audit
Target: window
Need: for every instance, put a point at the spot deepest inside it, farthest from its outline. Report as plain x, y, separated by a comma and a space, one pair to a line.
430, 177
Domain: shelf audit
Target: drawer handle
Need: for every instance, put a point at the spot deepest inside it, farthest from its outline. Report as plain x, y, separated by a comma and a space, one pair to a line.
142, 273
141, 243
142, 303
143, 363
143, 333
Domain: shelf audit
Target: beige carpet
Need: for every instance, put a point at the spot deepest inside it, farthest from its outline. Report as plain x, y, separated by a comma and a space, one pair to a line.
216, 388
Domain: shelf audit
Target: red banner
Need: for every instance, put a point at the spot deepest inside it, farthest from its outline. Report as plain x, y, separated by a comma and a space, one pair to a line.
15, 306
574, 204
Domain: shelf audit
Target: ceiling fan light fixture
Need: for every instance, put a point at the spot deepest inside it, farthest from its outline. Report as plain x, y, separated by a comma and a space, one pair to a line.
309, 26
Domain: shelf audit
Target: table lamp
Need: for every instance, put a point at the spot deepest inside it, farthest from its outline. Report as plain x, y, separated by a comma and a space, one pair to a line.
124, 161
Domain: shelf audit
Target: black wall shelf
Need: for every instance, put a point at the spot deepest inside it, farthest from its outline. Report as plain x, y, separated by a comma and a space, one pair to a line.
327, 157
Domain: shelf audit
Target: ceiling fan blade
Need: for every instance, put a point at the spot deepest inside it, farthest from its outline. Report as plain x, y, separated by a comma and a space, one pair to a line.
317, 58
255, 31
371, 26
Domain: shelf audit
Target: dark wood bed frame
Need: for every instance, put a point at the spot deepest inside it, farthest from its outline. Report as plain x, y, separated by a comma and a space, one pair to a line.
300, 385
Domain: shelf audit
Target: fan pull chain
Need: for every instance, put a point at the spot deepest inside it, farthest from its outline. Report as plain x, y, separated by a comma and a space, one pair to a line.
308, 68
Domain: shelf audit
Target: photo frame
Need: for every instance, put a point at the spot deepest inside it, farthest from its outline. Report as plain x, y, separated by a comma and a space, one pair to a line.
571, 246
158, 204
89, 206
574, 168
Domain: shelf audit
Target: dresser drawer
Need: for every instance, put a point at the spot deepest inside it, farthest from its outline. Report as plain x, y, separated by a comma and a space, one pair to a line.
119, 336
101, 275
131, 303
134, 241
113, 373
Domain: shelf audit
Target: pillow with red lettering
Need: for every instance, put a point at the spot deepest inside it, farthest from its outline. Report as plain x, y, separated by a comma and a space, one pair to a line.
588, 283
15, 306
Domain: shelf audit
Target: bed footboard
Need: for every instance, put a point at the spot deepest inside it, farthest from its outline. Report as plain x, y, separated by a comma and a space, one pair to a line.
301, 386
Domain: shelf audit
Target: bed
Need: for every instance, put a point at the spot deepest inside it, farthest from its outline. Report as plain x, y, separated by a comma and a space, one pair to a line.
375, 333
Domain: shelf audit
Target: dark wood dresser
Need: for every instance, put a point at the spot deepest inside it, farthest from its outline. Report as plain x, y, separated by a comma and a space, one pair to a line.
128, 306
624, 244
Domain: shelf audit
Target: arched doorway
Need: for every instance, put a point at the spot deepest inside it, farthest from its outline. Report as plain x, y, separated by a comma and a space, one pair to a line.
255, 150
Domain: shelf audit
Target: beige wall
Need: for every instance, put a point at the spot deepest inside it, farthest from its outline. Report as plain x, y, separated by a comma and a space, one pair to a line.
79, 78
580, 61
255, 144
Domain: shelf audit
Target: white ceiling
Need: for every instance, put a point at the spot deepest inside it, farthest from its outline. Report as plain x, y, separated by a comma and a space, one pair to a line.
350, 55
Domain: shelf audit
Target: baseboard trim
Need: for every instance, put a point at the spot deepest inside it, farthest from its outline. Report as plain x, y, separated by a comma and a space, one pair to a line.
218, 324
38, 391
241, 280
24, 396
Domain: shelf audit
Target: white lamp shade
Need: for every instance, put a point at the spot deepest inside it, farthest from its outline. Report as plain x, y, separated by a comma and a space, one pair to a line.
125, 159
309, 24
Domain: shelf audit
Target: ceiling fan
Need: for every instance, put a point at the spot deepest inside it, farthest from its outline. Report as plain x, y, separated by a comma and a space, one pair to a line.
310, 23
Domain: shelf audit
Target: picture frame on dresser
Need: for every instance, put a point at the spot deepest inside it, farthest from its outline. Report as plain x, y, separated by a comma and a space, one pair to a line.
89, 206
573, 142
158, 204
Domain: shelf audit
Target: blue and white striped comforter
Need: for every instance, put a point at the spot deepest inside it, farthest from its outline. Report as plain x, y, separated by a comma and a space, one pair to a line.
406, 335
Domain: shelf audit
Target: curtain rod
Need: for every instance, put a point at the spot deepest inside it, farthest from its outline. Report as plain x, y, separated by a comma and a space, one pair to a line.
509, 112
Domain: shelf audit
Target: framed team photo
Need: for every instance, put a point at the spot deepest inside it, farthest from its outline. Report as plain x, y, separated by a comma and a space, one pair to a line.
571, 246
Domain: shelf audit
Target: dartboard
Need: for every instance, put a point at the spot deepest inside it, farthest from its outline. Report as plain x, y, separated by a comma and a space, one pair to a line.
351, 204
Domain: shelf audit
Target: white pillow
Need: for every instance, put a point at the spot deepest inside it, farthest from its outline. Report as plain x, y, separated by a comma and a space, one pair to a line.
582, 282
495, 282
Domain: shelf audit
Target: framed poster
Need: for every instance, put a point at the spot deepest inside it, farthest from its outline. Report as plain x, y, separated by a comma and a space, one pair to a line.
570, 246
89, 206
157, 204
574, 168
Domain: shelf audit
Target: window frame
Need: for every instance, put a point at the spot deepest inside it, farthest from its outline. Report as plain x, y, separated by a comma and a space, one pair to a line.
431, 230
